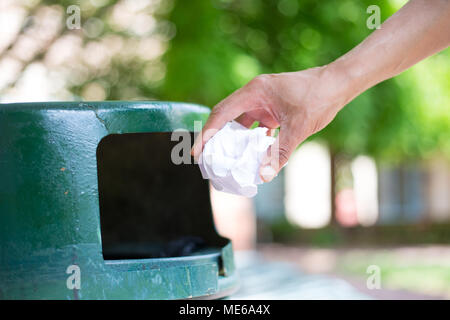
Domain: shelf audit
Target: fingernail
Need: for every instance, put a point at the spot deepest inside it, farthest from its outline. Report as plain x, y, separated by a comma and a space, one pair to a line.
268, 173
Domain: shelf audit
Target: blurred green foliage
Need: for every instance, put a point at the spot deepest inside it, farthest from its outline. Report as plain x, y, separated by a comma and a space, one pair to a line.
282, 231
411, 273
222, 44
216, 46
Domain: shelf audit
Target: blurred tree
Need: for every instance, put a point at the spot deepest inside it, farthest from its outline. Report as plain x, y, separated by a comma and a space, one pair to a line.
222, 44
202, 50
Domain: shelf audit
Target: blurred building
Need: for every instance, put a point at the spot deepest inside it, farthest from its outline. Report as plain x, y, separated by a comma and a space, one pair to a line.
373, 194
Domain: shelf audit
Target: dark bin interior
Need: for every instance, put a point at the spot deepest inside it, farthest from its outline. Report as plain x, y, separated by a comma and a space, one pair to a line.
150, 207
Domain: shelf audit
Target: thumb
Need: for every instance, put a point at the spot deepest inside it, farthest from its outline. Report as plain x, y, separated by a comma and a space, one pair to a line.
277, 155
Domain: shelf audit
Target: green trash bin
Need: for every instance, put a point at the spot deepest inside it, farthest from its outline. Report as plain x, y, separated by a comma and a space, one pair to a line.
91, 207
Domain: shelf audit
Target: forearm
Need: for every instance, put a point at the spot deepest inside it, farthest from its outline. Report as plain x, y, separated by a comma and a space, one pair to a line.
304, 102
418, 30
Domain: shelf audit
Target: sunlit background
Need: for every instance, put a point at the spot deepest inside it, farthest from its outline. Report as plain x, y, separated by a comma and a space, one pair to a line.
371, 188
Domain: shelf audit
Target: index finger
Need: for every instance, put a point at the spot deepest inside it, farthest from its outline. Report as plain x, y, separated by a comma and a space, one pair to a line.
228, 109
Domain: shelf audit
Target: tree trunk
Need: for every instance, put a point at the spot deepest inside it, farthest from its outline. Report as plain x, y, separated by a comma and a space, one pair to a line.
333, 172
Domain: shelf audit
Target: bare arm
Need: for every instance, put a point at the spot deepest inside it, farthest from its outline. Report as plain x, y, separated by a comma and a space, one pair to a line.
304, 102
418, 30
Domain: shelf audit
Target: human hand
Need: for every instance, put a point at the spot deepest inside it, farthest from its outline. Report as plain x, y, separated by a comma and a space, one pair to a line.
300, 103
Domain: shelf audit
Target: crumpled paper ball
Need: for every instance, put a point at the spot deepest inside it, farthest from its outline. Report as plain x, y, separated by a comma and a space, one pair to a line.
232, 157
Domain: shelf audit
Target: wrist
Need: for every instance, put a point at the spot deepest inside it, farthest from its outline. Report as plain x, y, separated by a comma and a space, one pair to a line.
341, 83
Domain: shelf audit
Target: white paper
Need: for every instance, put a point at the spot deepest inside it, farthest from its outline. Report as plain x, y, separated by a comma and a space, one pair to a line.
231, 158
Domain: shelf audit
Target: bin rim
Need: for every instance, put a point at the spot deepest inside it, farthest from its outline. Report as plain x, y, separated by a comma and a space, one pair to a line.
99, 105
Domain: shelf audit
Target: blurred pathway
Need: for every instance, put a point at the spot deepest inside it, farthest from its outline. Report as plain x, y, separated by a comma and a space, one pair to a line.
264, 279
344, 264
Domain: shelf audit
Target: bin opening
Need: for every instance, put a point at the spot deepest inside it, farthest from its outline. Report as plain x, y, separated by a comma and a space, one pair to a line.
150, 207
